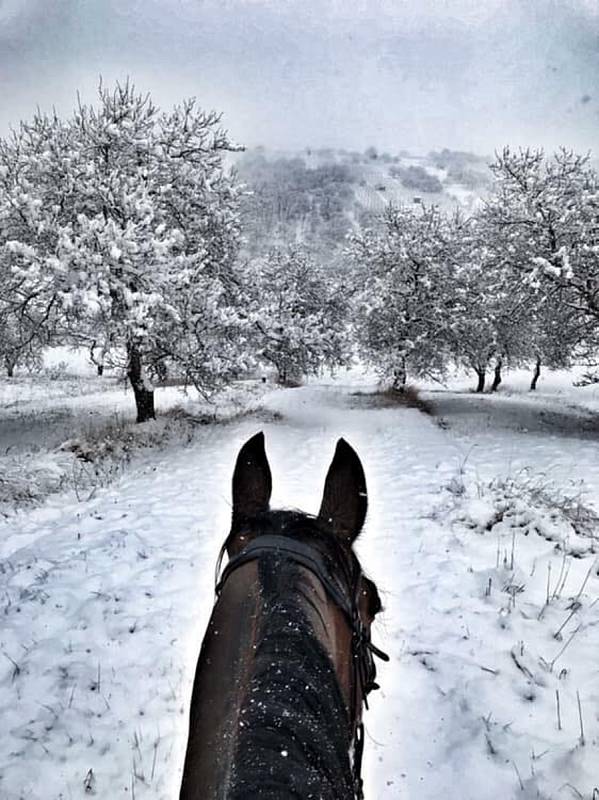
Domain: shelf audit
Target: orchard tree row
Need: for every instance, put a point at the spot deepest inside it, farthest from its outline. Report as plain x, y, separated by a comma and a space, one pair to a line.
121, 231
515, 284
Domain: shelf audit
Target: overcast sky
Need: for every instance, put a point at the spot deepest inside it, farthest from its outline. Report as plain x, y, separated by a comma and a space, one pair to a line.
398, 74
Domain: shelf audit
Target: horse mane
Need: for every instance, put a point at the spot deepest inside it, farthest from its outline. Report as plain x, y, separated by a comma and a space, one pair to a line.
294, 737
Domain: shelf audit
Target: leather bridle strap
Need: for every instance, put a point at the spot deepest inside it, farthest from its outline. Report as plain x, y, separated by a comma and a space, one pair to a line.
302, 554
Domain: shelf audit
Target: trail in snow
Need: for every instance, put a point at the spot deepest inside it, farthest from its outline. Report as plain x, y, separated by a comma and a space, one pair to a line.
104, 604
524, 414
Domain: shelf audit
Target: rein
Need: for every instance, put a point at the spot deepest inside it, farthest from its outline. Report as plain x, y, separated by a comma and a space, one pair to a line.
345, 595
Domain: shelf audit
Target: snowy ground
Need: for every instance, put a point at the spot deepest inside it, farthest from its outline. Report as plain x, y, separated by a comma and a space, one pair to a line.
67, 429
481, 535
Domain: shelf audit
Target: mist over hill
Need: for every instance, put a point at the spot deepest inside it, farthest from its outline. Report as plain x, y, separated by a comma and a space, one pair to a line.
316, 196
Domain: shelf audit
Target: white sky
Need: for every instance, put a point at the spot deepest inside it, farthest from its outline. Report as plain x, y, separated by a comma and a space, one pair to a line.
417, 74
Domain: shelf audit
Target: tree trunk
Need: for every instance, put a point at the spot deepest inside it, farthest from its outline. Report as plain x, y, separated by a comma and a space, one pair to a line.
98, 362
480, 386
144, 396
10, 367
400, 377
497, 375
536, 375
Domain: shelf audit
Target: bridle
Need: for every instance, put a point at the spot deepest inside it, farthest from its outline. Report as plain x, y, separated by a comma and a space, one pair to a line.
345, 594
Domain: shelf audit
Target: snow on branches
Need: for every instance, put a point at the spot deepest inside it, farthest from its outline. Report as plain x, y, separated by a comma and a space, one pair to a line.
402, 271
120, 229
545, 214
517, 282
121, 224
299, 311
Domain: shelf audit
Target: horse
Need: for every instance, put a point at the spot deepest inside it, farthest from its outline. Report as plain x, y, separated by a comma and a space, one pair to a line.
287, 662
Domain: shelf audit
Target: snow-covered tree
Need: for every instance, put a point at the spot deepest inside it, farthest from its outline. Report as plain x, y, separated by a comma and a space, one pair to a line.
489, 325
299, 312
402, 271
27, 302
122, 221
543, 222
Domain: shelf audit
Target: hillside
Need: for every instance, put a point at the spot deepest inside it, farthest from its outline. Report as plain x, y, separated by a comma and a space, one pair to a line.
315, 197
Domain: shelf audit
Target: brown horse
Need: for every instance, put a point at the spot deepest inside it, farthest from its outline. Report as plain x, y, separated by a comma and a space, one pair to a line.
287, 661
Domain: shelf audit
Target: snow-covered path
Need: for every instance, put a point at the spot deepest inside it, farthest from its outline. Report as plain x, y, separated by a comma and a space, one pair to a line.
103, 605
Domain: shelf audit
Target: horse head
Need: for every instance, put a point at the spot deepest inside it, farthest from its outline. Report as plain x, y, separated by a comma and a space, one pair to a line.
287, 661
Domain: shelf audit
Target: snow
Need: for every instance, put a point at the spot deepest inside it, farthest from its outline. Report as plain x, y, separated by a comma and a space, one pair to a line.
51, 421
104, 601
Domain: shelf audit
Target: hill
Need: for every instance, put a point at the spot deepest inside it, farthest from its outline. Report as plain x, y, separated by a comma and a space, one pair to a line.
315, 197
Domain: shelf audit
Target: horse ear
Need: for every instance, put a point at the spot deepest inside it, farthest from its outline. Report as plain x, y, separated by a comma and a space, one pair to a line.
252, 481
344, 501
